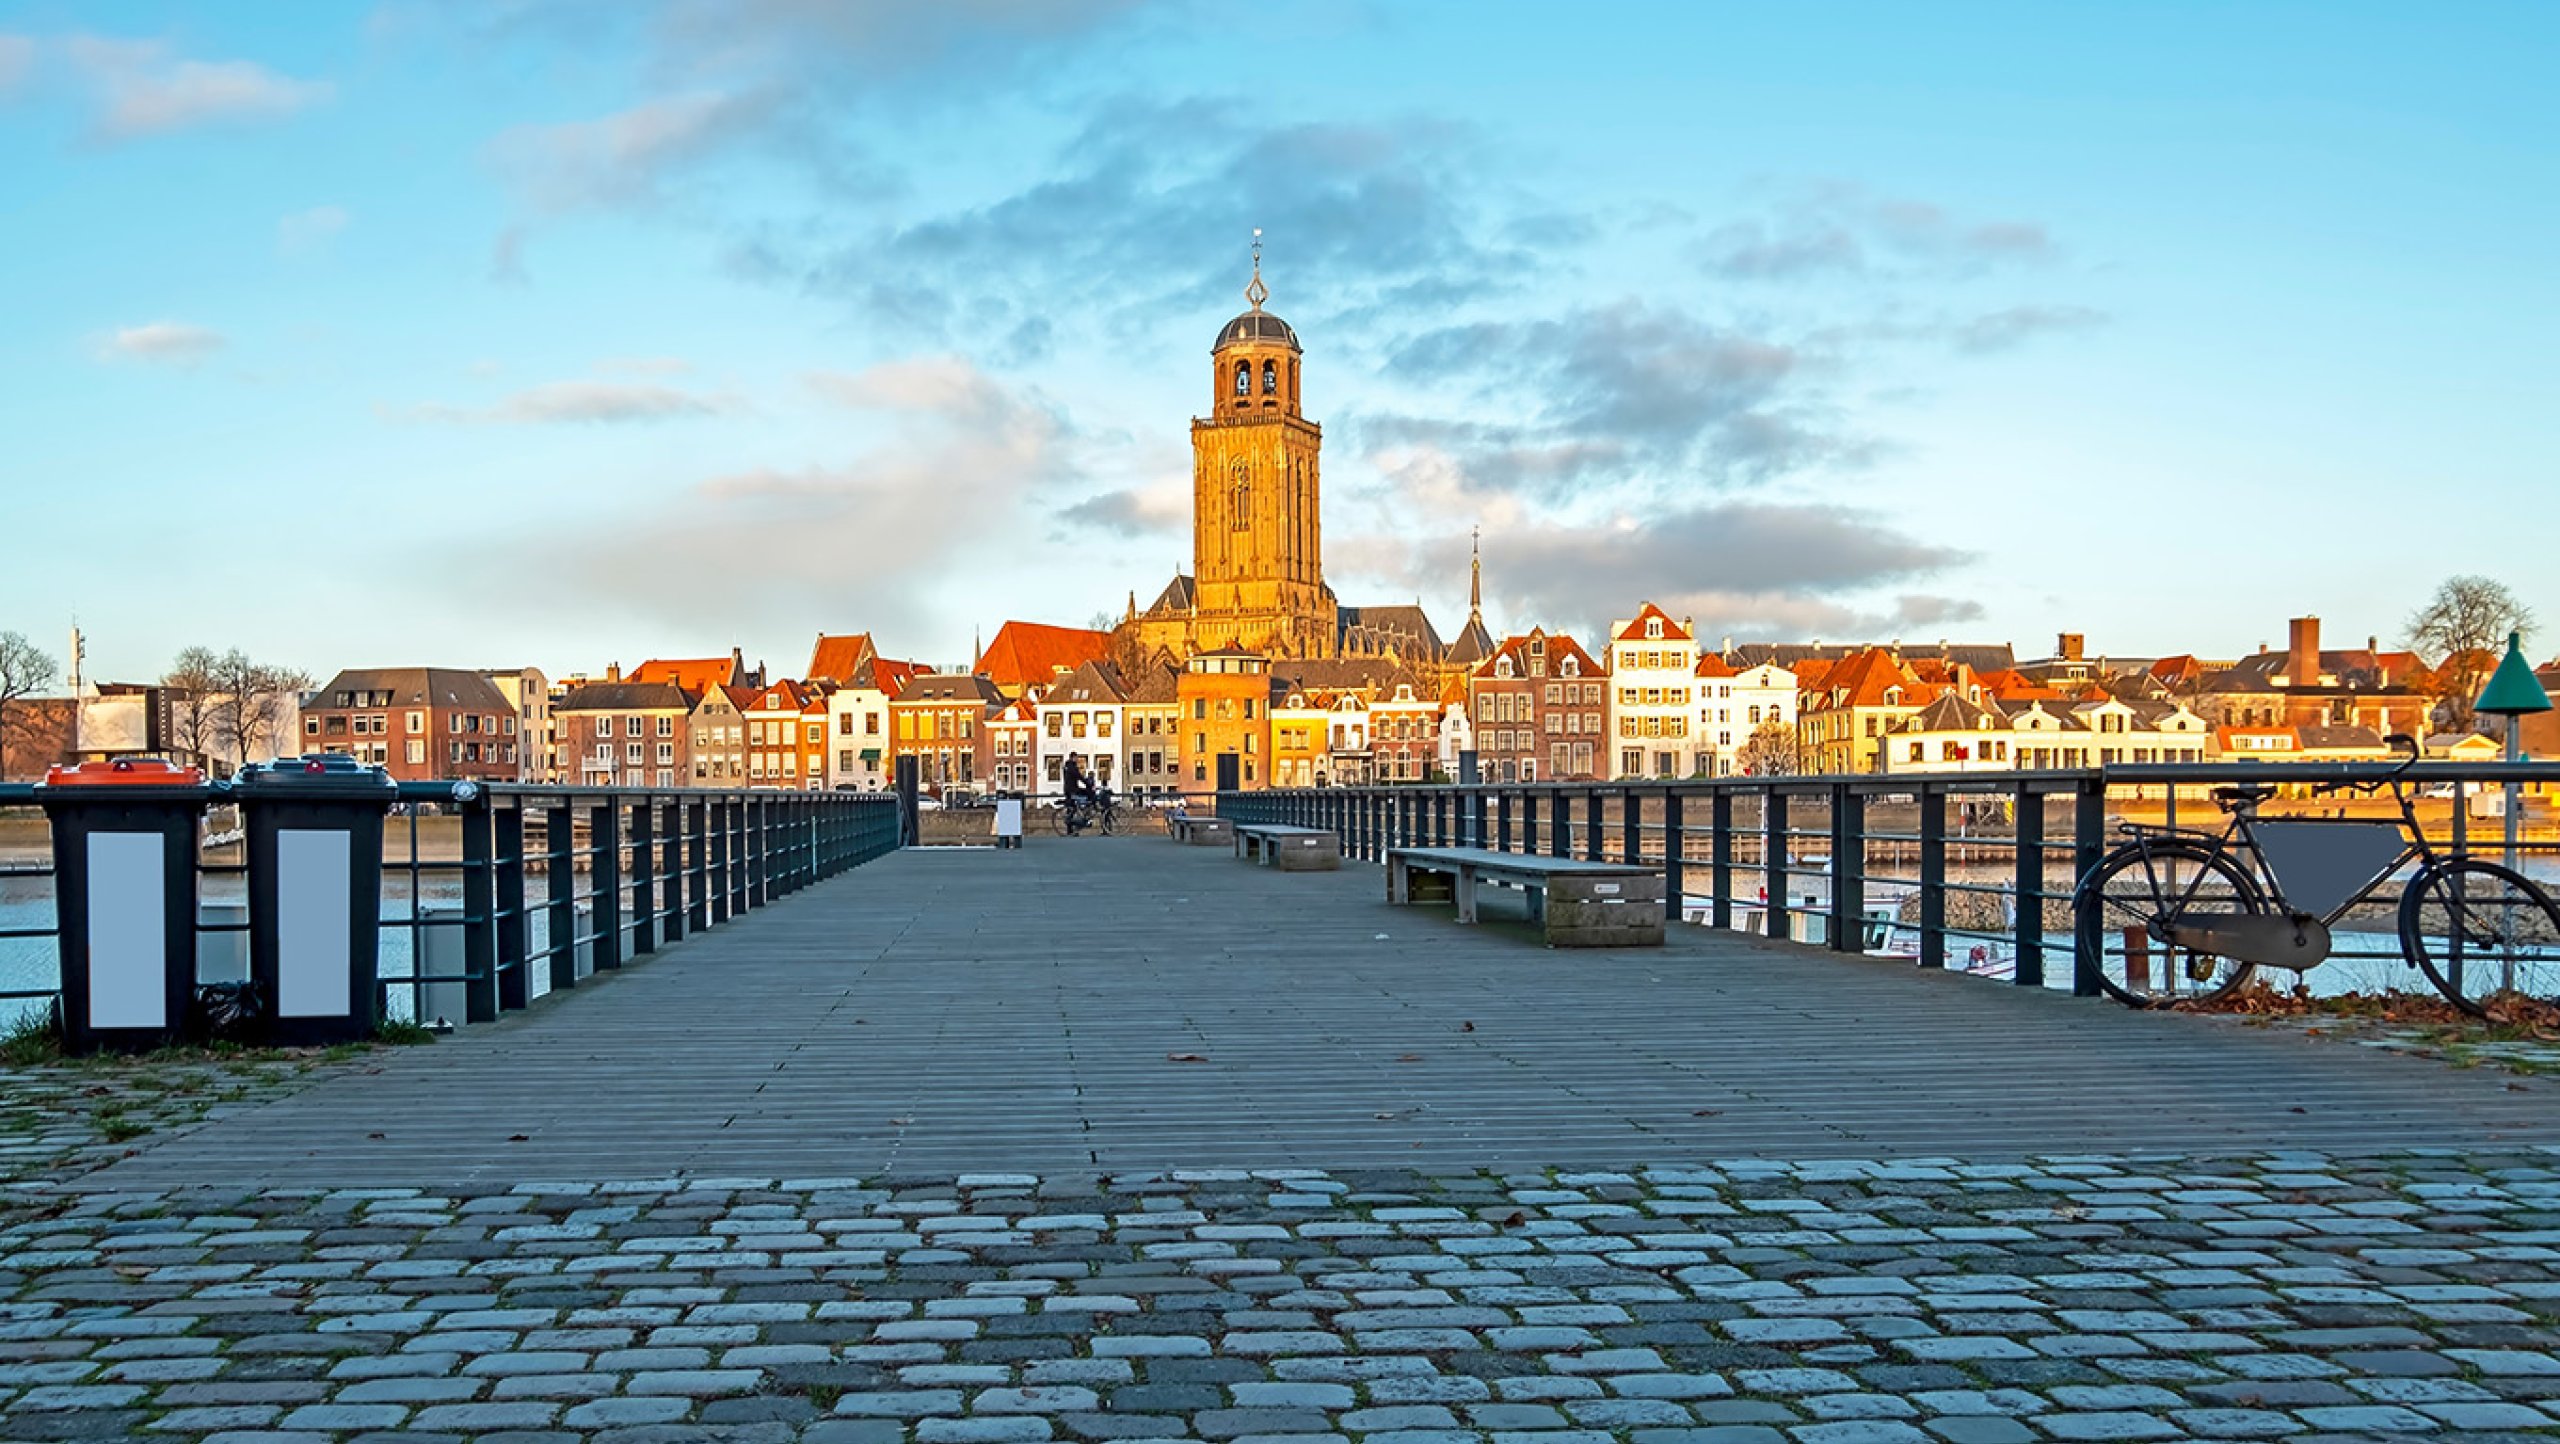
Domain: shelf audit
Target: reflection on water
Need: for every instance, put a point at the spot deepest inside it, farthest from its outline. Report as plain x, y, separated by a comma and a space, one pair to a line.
31, 965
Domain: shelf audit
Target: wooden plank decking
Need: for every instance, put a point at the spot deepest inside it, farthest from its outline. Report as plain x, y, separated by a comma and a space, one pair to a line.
948, 1011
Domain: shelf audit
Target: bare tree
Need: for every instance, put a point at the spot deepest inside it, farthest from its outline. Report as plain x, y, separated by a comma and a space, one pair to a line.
25, 669
252, 703
2466, 622
194, 703
1772, 750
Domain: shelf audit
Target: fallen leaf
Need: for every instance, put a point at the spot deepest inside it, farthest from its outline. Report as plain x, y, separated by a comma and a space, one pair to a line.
1466, 1027
519, 1138
1516, 1218
2297, 1108
902, 1122
1707, 1113
377, 1136
1409, 1058
1186, 1057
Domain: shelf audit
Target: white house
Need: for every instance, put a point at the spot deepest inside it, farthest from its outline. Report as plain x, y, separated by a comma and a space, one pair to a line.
1084, 713
858, 725
1732, 704
1653, 667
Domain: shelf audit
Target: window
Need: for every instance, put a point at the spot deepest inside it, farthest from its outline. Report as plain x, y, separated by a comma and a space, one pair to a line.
814, 734
1652, 627
666, 726
631, 726
1102, 724
871, 724
1555, 694
666, 752
1240, 499
417, 752
417, 722
631, 752
1244, 378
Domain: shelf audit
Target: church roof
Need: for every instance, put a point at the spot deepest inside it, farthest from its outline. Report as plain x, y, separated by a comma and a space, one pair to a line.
1176, 600
1474, 643
1026, 654
1256, 326
1406, 628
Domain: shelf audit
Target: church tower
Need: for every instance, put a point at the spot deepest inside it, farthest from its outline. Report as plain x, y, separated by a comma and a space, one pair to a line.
1257, 540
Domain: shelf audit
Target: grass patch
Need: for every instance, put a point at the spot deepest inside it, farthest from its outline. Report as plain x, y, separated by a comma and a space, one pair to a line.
119, 1126
32, 1040
400, 1033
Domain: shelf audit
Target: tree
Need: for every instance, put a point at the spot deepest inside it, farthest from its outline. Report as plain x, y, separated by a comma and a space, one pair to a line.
25, 669
251, 706
1772, 750
192, 684
2466, 622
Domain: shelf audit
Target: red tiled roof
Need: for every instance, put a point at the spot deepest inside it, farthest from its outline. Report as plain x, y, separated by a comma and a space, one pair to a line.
1033, 653
1868, 675
1633, 631
790, 696
835, 658
1713, 664
694, 674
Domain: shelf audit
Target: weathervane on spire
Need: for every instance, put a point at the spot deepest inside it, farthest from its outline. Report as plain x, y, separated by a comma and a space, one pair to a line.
1254, 290
1475, 579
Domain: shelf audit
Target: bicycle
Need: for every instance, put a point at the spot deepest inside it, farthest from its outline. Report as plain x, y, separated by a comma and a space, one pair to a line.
2181, 915
1075, 813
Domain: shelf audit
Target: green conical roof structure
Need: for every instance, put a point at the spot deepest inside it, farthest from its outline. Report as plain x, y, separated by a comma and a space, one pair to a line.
2513, 690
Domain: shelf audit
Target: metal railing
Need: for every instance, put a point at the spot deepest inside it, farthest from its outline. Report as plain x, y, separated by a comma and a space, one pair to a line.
541, 886
1968, 870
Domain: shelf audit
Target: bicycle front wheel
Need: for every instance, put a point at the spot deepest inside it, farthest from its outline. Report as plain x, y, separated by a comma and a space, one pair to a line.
2482, 933
1110, 821
1059, 816
2128, 905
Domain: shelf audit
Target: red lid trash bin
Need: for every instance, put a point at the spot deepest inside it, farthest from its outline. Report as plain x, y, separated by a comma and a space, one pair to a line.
124, 867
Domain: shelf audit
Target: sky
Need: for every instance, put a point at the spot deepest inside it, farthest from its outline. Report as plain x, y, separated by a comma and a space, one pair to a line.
568, 333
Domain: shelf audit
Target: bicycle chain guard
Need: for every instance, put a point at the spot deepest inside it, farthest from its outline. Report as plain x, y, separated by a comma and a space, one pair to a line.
2272, 940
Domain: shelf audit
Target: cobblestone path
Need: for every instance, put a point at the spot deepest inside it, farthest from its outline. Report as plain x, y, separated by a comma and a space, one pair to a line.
2299, 1296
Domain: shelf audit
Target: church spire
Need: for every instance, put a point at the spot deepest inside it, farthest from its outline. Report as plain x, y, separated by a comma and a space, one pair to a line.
1254, 291
1475, 578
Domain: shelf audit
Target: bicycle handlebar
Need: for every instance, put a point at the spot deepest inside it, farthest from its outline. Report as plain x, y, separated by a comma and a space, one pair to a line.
2399, 741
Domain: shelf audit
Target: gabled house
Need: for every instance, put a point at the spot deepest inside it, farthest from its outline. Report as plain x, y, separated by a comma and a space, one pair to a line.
1653, 665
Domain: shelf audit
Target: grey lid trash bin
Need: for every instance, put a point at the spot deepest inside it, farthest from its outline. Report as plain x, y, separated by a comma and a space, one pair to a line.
124, 887
314, 829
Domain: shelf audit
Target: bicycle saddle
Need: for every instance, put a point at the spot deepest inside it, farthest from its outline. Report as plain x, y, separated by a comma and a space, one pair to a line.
2246, 793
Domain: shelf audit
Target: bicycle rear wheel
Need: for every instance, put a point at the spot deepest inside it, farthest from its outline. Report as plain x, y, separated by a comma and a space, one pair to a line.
1110, 819
1061, 816
2482, 934
2134, 896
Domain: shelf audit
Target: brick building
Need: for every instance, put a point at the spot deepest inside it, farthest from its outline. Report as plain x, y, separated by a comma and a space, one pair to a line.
625, 734
934, 719
1540, 709
1224, 705
422, 724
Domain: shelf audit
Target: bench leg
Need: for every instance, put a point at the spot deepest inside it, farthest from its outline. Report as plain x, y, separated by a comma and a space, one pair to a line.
1536, 897
1463, 883
1399, 883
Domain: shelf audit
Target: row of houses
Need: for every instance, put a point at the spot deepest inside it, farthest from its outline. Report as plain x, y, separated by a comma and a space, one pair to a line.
1649, 700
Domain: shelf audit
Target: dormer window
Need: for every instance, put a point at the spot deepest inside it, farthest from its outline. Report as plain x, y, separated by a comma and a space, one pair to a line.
1653, 629
1571, 668
1502, 669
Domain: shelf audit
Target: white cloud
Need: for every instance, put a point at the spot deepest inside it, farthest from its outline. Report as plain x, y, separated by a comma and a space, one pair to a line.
577, 401
145, 89
17, 57
166, 343
305, 232
619, 159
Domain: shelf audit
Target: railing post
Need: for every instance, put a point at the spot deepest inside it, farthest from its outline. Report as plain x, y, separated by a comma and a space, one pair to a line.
515, 985
1631, 828
1529, 822
1673, 897
1560, 816
697, 872
604, 839
1848, 869
672, 871
759, 851
1933, 876
644, 876
733, 813
1720, 857
2028, 830
1773, 866
560, 872
1502, 822
479, 913
1477, 810
2088, 840
1592, 826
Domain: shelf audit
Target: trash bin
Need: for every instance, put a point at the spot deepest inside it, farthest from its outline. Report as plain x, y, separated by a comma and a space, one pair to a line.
124, 879
315, 893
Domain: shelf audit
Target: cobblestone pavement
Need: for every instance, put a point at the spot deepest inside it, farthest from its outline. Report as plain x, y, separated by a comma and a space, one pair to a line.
2277, 1295
62, 1119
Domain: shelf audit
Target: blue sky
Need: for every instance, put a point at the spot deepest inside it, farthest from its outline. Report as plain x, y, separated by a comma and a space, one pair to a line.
568, 333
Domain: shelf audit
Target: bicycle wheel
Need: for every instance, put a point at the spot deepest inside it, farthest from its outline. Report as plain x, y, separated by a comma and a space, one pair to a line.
1110, 820
2481, 933
1060, 817
2126, 905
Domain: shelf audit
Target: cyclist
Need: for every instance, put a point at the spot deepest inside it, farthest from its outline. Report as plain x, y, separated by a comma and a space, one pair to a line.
1079, 797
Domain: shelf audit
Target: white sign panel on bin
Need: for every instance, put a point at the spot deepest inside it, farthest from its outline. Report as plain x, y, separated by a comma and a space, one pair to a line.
128, 930
313, 923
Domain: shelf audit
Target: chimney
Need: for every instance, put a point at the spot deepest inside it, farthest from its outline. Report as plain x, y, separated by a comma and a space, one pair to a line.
2302, 659
613, 671
2070, 646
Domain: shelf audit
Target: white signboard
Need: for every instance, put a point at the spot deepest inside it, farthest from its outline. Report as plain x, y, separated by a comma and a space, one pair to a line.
312, 923
128, 930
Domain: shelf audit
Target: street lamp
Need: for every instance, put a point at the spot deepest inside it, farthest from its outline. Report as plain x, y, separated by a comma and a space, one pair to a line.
2513, 693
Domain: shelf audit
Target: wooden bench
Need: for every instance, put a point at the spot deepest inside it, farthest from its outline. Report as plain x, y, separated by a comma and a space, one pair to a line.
1290, 849
1198, 828
1578, 904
